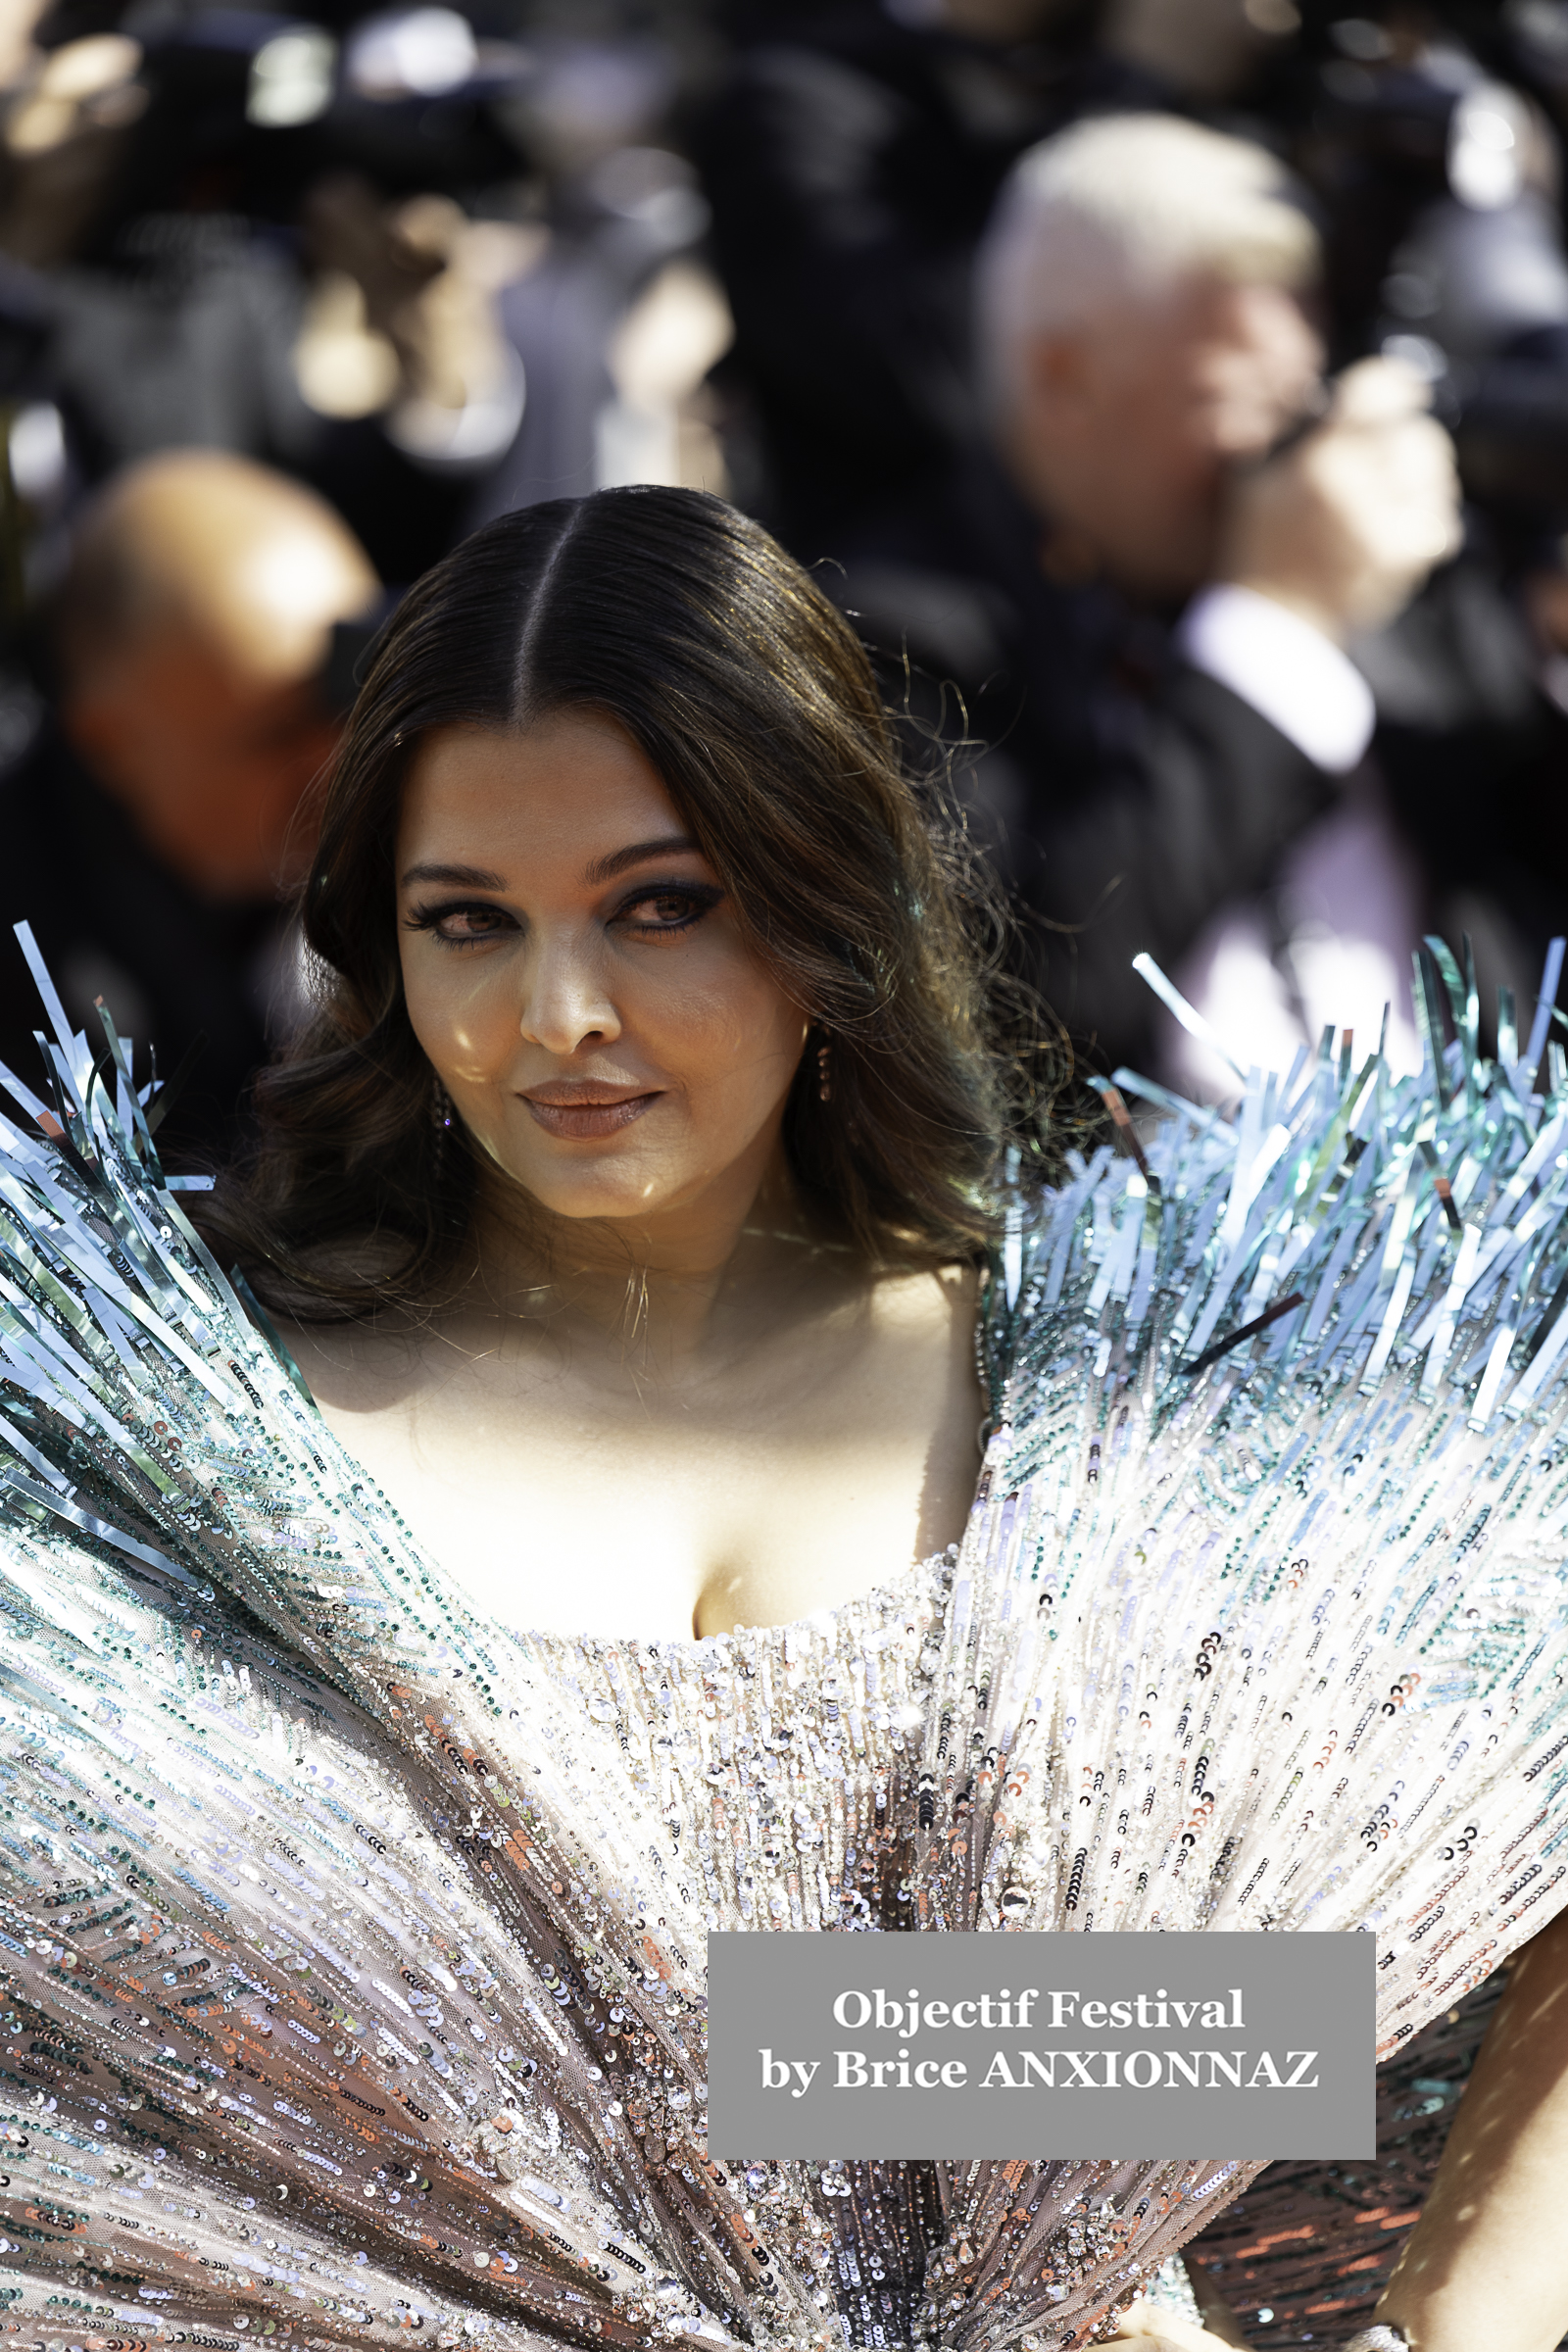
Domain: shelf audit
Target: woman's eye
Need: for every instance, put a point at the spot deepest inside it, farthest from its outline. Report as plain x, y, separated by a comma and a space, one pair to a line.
462, 926
668, 909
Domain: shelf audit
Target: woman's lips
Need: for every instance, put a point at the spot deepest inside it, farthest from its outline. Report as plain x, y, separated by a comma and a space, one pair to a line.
579, 1118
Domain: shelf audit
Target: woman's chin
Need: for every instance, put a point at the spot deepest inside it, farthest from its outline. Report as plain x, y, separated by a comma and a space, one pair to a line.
601, 1205
591, 1192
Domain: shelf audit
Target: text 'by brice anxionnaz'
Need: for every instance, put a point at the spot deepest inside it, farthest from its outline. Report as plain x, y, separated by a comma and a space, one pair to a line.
1183, 2058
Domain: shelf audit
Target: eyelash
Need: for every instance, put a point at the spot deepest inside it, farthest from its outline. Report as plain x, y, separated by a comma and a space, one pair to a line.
699, 898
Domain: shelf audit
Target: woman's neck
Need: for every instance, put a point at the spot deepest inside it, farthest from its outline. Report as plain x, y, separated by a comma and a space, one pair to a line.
671, 1282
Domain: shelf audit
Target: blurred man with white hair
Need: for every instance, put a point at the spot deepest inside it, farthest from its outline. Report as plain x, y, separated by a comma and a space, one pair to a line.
1147, 603
1145, 270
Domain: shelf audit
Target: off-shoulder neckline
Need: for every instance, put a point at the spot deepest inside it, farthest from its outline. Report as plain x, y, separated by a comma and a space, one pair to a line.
880, 1598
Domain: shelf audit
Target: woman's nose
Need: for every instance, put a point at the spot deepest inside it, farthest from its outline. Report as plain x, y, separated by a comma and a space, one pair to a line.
566, 1004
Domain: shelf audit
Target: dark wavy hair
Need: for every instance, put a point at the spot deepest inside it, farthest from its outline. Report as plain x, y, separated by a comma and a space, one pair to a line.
676, 617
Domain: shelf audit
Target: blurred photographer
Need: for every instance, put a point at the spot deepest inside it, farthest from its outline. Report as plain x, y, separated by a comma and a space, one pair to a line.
231, 246
852, 155
1150, 598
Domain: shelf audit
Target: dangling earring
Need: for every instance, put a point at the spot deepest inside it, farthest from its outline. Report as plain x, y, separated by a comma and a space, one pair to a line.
441, 1110
824, 1071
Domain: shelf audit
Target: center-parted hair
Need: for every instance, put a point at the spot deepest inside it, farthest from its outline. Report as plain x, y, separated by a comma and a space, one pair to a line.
671, 614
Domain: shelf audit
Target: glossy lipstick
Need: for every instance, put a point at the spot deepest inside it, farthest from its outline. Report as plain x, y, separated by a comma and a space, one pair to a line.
583, 1110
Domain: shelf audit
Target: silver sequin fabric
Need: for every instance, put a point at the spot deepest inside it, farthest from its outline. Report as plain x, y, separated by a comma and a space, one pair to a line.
352, 1947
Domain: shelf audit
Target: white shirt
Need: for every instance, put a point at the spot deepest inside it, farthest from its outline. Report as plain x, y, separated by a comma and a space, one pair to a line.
1289, 673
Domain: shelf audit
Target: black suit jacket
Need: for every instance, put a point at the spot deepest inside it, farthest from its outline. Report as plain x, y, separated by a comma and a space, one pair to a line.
112, 920
1127, 797
1123, 796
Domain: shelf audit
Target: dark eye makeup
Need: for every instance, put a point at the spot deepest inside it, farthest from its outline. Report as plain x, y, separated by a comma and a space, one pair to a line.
459, 922
654, 911
674, 905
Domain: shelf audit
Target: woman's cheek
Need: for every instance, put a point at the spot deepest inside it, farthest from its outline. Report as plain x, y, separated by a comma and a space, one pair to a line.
692, 1022
754, 1057
469, 1031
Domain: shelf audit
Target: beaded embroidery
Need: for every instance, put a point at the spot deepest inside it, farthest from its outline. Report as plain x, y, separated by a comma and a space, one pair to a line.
353, 1947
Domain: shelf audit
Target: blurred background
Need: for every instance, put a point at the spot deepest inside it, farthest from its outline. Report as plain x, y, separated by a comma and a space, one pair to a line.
1175, 392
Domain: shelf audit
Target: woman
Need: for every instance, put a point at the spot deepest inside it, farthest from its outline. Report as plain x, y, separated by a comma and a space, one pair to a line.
673, 1096
628, 1204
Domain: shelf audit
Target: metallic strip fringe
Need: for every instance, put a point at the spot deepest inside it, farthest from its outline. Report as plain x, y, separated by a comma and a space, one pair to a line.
351, 1947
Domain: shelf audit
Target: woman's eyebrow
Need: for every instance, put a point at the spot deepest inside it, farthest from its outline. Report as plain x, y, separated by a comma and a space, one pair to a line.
605, 869
466, 877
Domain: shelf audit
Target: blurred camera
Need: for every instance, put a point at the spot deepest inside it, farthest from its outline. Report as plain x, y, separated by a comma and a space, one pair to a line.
1437, 180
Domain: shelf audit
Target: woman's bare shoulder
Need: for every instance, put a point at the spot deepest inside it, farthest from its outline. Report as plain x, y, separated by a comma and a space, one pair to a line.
926, 1295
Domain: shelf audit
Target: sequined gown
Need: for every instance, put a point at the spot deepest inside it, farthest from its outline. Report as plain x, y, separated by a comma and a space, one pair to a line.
351, 1948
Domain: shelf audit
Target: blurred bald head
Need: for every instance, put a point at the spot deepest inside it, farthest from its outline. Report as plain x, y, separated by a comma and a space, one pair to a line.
193, 625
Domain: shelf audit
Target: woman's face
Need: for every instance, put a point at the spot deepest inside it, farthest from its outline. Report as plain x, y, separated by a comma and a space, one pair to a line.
575, 972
